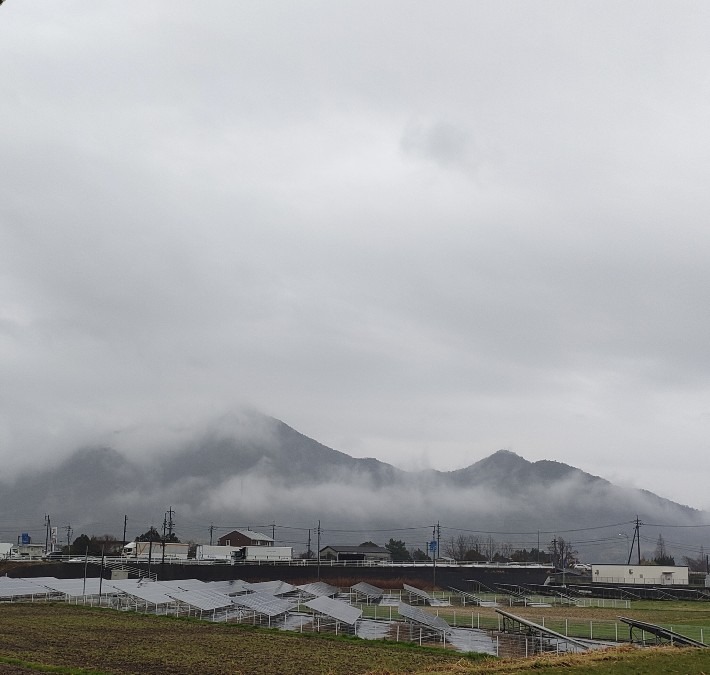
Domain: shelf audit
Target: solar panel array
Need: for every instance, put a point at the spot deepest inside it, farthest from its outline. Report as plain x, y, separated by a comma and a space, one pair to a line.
421, 617
263, 603
336, 609
318, 589
417, 592
368, 590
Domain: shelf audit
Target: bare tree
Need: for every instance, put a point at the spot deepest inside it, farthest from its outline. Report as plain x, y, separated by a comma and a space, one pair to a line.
699, 564
506, 550
458, 547
562, 553
491, 547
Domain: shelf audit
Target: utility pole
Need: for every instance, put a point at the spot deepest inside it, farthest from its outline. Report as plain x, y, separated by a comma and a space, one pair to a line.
125, 524
165, 525
46, 536
637, 540
150, 555
309, 553
436, 554
554, 550
69, 532
171, 524
101, 576
273, 530
319, 550
211, 532
438, 537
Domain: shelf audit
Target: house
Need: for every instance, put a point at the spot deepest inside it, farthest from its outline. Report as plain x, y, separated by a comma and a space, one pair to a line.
368, 553
239, 538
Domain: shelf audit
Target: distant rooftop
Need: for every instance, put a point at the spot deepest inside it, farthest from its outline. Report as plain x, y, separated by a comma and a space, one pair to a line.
357, 549
255, 536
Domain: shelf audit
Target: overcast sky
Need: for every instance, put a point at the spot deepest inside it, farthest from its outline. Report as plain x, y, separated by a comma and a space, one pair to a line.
411, 230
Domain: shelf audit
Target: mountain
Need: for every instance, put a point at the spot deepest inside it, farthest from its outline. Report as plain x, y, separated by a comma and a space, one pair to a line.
251, 469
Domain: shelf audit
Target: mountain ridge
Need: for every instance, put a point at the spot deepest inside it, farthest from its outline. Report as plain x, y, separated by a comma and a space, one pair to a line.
258, 468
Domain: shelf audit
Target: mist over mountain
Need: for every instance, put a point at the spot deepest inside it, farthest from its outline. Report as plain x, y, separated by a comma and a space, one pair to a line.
251, 469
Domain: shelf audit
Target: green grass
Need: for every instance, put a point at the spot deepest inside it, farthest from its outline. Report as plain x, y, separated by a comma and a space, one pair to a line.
628, 661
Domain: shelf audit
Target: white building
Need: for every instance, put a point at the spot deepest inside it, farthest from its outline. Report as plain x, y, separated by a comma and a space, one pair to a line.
649, 575
7, 550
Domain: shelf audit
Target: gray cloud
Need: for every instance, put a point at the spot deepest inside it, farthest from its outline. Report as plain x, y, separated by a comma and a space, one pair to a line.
415, 234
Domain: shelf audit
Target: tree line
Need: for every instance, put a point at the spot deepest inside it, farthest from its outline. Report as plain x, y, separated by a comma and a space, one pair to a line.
107, 544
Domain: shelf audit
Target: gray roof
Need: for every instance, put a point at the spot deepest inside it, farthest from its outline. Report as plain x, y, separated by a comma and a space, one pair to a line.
250, 534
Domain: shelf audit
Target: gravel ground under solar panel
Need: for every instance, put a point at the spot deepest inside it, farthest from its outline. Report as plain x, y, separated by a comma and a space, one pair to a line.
107, 641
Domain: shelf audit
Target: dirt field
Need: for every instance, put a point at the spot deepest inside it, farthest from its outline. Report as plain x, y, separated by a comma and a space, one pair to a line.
115, 642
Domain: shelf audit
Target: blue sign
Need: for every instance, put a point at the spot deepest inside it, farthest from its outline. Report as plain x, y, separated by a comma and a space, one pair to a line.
432, 545
25, 538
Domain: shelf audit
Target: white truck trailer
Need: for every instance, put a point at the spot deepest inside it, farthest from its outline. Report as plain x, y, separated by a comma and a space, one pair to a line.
208, 553
263, 554
141, 550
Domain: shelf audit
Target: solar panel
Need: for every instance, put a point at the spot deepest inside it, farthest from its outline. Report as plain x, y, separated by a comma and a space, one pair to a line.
264, 603
149, 591
368, 590
271, 587
15, 588
77, 587
205, 600
417, 592
186, 584
421, 617
231, 587
318, 589
125, 585
336, 609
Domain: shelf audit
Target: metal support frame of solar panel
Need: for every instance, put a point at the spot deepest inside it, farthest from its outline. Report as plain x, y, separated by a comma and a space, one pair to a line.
319, 589
369, 591
418, 593
275, 587
263, 603
421, 617
335, 609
